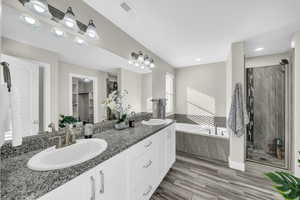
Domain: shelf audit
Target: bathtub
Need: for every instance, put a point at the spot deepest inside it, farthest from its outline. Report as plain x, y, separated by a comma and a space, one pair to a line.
202, 141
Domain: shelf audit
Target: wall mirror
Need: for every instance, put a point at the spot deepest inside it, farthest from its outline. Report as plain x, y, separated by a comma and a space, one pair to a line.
57, 73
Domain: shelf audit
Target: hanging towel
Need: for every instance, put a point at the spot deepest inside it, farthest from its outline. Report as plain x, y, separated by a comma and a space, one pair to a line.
238, 117
16, 118
4, 112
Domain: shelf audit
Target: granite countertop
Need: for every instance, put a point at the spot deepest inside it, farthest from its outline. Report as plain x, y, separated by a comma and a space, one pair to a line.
18, 182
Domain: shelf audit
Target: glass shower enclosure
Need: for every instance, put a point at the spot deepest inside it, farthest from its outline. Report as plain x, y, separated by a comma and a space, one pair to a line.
268, 97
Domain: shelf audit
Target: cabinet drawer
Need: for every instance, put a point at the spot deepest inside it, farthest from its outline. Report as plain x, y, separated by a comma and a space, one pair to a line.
143, 146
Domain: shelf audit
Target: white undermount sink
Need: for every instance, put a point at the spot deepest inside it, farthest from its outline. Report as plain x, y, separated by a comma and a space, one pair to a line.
155, 122
77, 153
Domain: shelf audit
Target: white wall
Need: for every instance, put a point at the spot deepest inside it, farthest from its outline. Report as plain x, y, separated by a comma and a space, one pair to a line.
132, 82
268, 60
296, 138
202, 86
64, 91
146, 92
236, 71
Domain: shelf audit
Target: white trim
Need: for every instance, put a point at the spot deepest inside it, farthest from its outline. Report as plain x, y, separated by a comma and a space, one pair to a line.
95, 93
237, 165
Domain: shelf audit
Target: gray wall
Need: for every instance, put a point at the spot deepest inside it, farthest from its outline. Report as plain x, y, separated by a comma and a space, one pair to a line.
206, 82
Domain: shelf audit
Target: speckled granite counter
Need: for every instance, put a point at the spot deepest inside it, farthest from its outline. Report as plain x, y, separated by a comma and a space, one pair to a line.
18, 182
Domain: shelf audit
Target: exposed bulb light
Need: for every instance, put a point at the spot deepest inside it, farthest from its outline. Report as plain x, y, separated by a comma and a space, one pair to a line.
198, 59
40, 7
259, 49
293, 44
141, 60
80, 41
152, 65
29, 20
58, 32
91, 31
69, 19
86, 80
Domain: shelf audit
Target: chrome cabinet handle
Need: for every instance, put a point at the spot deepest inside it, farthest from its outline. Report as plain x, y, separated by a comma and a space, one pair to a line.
149, 144
93, 197
102, 182
148, 190
148, 164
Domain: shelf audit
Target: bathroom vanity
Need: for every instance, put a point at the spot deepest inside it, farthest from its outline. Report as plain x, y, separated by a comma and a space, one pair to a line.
131, 168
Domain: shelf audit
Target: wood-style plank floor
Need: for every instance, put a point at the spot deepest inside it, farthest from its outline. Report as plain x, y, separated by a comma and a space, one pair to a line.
195, 179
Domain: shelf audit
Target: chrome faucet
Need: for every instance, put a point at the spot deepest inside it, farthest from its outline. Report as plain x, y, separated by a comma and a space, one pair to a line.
70, 138
52, 127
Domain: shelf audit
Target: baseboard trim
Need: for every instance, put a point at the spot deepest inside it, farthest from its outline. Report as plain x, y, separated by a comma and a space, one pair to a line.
237, 165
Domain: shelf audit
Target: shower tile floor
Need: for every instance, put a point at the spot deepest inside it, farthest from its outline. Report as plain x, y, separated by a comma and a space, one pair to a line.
264, 158
195, 179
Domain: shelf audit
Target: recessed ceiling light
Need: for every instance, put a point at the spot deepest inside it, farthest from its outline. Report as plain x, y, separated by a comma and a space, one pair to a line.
198, 59
259, 49
293, 44
29, 20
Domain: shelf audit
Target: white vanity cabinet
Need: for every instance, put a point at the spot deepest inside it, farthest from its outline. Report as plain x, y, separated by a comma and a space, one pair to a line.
133, 174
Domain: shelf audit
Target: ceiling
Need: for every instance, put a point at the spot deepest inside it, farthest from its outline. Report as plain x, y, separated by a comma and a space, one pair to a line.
180, 31
67, 50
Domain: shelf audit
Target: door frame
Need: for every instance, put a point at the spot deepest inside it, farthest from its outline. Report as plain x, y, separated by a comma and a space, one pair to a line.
95, 93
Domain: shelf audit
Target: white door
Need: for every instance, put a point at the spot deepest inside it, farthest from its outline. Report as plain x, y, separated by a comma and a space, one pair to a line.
25, 77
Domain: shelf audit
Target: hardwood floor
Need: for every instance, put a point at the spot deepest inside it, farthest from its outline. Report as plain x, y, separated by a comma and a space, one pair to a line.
194, 179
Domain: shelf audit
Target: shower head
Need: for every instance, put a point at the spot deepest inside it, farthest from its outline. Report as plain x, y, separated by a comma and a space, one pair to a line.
284, 62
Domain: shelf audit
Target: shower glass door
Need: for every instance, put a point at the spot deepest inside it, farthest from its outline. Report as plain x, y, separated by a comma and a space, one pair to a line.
267, 97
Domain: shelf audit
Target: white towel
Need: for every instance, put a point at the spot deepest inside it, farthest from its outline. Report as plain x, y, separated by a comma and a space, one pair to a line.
17, 124
4, 112
238, 116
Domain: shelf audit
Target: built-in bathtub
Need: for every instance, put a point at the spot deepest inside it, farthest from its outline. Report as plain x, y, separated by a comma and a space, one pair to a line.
202, 141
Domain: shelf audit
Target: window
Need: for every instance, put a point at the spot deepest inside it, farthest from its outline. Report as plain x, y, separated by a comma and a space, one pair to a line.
170, 93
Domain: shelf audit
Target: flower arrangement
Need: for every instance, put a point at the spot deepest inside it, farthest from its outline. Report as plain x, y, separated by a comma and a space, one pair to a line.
115, 102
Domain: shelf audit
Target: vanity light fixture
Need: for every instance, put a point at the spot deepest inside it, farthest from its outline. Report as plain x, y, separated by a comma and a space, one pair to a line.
91, 31
259, 49
69, 20
80, 41
58, 32
39, 7
29, 20
141, 60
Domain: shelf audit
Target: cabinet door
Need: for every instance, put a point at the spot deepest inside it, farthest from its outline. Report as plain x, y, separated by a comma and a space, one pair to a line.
82, 187
170, 147
111, 179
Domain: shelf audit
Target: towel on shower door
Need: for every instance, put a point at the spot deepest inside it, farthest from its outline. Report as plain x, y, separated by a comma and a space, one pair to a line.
238, 116
4, 112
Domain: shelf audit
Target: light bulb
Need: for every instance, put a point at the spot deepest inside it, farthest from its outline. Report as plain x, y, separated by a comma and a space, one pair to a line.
91, 31
39, 8
152, 65
58, 32
137, 64
69, 23
130, 62
29, 20
80, 40
142, 67
147, 62
141, 58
